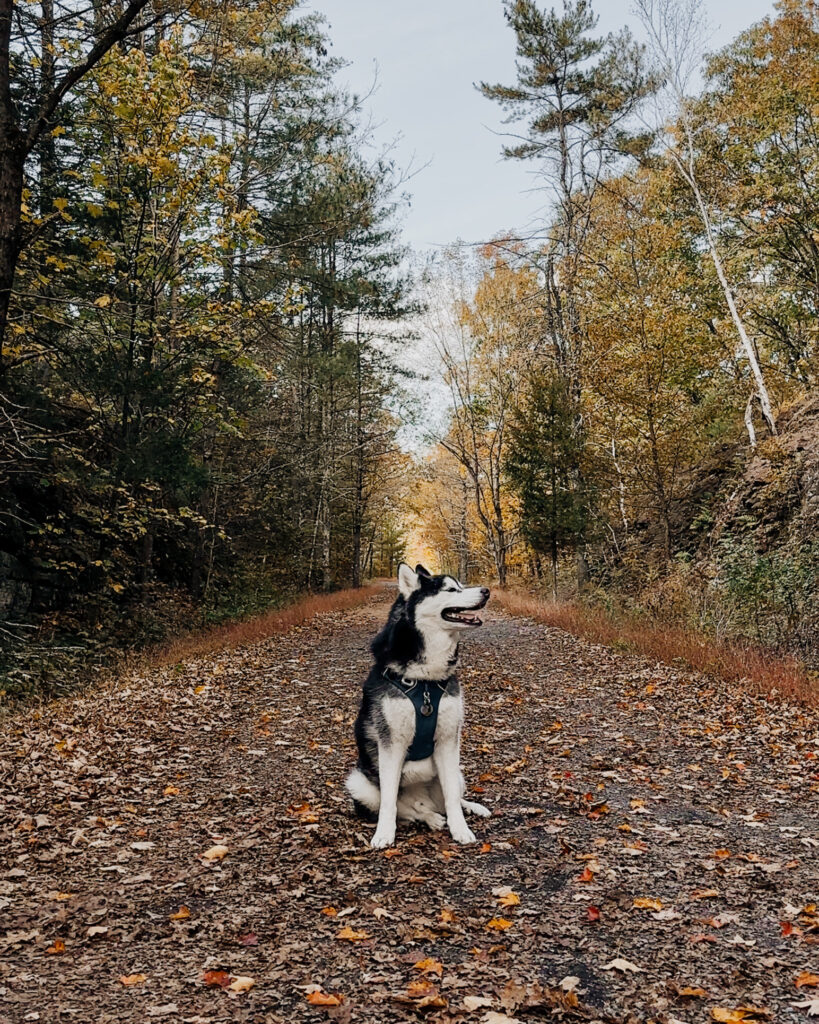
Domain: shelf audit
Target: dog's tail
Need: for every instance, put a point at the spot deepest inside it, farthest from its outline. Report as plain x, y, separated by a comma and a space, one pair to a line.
366, 795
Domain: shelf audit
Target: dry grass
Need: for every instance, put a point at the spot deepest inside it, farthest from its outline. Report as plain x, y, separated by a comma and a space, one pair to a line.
752, 667
248, 631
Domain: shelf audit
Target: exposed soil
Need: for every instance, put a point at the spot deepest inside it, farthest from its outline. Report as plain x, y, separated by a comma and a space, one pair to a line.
611, 780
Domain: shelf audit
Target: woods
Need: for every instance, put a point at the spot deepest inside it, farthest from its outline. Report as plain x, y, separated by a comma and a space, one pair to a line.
193, 401
658, 450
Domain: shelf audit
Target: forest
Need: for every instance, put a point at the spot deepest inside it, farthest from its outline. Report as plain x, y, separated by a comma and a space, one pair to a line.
206, 311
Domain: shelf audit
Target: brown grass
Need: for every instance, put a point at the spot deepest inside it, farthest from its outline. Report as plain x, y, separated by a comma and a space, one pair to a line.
259, 627
758, 670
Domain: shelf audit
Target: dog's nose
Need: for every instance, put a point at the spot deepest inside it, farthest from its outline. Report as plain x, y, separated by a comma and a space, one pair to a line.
485, 591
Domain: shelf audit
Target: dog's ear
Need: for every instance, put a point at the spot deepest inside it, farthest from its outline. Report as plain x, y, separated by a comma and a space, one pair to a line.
407, 580
421, 571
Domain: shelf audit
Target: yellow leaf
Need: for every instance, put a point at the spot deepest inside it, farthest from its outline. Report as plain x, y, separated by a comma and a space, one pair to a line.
738, 1015
215, 853
181, 915
170, 790
499, 924
648, 903
350, 935
132, 979
103, 301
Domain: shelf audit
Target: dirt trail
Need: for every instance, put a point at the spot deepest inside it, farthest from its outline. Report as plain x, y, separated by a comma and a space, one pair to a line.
612, 780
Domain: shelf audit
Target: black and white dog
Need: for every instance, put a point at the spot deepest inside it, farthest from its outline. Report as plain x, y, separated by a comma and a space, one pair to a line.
409, 725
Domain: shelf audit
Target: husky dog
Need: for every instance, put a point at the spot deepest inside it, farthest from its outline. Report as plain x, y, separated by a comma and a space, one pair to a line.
409, 725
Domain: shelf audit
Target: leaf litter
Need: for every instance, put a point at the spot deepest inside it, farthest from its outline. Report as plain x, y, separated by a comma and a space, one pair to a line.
180, 843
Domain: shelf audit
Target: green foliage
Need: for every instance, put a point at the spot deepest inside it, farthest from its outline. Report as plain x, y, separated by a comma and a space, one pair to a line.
543, 455
196, 405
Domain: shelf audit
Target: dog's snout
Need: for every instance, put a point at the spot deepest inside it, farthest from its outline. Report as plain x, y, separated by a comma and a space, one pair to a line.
485, 591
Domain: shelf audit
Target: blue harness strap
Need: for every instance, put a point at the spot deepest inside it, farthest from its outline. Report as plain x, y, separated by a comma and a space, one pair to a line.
425, 696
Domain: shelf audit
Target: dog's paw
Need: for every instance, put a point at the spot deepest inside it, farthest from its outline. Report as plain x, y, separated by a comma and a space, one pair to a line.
462, 834
479, 809
382, 840
435, 821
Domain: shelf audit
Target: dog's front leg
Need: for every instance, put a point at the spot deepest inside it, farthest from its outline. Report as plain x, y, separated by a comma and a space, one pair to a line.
447, 758
390, 763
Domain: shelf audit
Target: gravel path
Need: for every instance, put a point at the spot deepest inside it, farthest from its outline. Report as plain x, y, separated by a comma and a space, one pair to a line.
653, 853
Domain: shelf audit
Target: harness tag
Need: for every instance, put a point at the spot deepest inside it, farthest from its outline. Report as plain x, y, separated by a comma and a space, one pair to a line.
426, 707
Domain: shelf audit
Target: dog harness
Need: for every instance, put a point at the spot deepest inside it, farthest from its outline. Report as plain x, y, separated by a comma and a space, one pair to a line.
425, 695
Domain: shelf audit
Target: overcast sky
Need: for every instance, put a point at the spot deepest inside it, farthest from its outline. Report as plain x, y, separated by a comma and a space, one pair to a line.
425, 56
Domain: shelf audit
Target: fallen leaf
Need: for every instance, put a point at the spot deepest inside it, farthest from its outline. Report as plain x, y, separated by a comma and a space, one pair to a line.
181, 915
96, 929
325, 998
499, 1018
738, 1015
241, 984
510, 899
350, 935
807, 980
215, 853
499, 924
593, 913
429, 966
811, 1005
216, 979
132, 979
648, 903
170, 791
57, 948
619, 964
476, 1002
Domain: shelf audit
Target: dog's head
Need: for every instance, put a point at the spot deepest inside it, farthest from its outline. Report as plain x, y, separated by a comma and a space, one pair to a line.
426, 620
440, 602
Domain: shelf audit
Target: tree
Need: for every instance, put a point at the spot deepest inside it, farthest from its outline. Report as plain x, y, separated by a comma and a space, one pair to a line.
675, 30
28, 104
542, 457
574, 96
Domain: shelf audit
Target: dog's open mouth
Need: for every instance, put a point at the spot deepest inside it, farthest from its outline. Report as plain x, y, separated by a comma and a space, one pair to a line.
466, 616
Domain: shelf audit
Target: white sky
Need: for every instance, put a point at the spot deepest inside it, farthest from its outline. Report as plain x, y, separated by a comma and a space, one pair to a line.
428, 54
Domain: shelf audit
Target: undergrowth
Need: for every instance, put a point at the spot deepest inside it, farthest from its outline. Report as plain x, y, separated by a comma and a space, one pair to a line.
749, 665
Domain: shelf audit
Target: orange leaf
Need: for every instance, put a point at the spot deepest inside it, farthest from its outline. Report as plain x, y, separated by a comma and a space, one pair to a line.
216, 979
181, 915
499, 924
350, 935
587, 875
485, 847
429, 966
447, 916
509, 899
329, 911
807, 979
132, 979
58, 947
420, 988
704, 894
325, 999
594, 913
690, 992
170, 790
